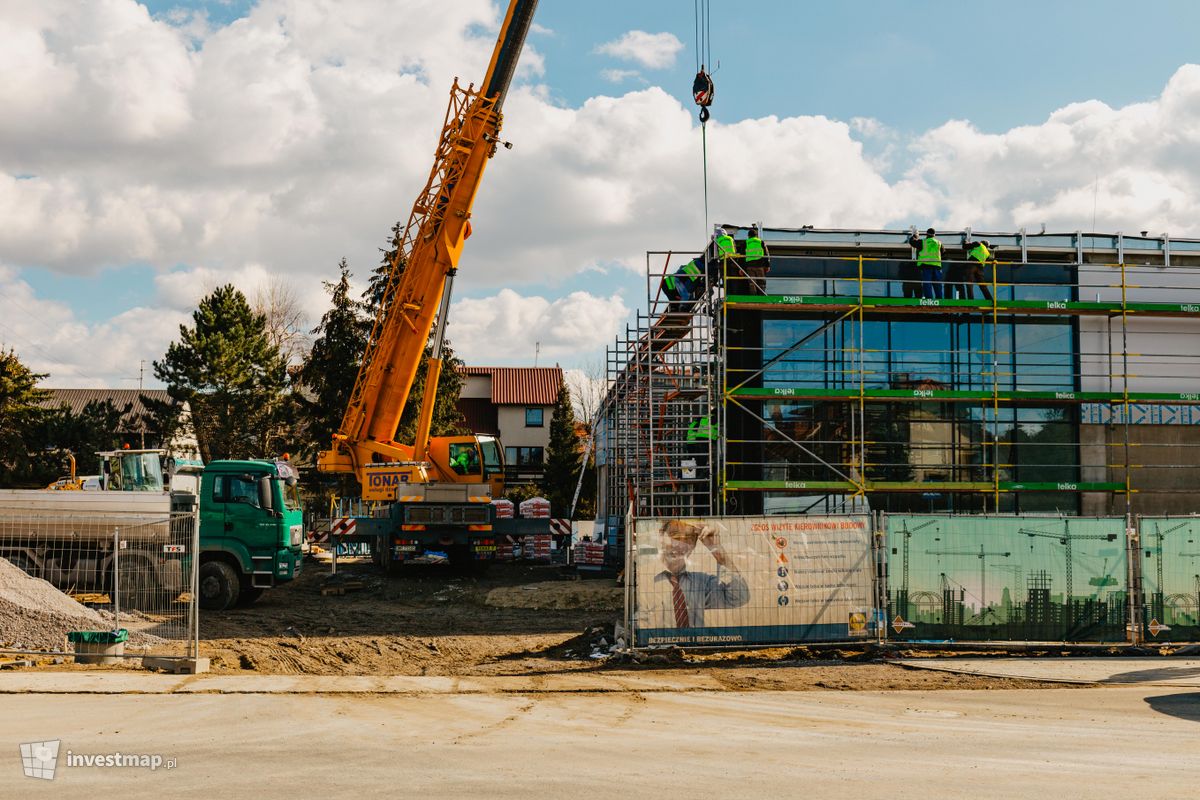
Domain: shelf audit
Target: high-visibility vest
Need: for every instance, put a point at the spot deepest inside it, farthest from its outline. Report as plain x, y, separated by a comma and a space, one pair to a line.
931, 252
725, 246
980, 253
701, 429
754, 249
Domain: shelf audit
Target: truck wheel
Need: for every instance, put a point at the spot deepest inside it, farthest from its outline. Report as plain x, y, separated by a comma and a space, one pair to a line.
139, 588
219, 586
248, 595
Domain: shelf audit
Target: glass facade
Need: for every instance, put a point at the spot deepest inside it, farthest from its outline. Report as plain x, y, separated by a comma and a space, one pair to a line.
916, 442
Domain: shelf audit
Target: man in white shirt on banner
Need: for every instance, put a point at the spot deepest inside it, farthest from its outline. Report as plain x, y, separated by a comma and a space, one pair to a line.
680, 595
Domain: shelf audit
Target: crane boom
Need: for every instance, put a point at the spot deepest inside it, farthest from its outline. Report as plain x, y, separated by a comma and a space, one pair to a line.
426, 257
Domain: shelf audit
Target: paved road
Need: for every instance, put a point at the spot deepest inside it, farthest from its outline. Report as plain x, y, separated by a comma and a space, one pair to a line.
1144, 671
1068, 743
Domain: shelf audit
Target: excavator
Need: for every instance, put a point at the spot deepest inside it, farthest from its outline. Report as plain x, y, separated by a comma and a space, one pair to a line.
436, 491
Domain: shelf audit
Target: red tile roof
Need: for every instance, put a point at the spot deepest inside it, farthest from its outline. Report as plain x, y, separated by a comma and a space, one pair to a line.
522, 386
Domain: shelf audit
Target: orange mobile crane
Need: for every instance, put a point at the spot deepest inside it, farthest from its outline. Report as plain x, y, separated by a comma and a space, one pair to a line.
439, 487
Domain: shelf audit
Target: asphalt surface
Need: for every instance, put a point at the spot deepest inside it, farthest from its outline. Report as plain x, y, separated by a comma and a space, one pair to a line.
1142, 741
1143, 671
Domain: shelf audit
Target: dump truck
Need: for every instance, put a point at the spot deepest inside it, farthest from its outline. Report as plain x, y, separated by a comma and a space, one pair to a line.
250, 520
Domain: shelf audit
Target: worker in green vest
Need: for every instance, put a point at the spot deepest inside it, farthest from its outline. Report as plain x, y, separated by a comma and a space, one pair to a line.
720, 257
977, 255
929, 261
701, 437
684, 286
701, 429
757, 261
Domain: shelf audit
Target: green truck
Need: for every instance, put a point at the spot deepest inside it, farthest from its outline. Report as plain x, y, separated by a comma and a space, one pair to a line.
251, 530
250, 518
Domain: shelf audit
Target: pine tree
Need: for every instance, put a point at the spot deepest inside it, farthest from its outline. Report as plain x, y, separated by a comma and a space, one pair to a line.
329, 372
562, 456
226, 368
21, 413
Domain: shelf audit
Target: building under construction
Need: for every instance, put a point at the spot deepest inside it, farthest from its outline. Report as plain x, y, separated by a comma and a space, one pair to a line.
1074, 389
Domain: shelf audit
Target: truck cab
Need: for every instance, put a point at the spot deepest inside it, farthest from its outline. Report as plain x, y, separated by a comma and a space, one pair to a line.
251, 529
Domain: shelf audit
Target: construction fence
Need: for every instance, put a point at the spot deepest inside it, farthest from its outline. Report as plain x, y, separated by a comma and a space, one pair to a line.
730, 581
67, 581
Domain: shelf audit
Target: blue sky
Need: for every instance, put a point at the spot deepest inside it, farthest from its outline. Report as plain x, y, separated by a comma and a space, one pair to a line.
912, 66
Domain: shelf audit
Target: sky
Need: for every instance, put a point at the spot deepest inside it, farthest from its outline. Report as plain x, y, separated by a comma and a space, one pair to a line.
152, 151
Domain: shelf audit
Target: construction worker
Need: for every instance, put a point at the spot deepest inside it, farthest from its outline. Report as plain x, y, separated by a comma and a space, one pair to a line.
684, 286
701, 435
929, 261
977, 256
721, 257
757, 261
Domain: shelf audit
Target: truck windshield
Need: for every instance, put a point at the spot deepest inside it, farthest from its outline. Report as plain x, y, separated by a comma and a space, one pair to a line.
491, 456
291, 496
136, 472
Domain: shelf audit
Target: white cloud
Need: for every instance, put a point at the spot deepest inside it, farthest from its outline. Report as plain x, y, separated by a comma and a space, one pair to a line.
651, 50
1134, 165
619, 75
508, 327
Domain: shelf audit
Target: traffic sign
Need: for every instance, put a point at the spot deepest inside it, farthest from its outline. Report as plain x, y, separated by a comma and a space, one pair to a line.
1157, 627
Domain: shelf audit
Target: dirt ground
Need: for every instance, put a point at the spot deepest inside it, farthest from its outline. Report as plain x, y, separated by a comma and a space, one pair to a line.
511, 620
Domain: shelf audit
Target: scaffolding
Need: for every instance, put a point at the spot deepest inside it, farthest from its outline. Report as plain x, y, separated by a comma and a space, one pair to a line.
1062, 375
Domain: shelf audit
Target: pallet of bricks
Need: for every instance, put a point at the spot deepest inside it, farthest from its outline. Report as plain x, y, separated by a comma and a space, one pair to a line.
506, 546
537, 546
589, 554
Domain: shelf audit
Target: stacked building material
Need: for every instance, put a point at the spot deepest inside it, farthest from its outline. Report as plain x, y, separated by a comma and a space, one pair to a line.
589, 553
536, 508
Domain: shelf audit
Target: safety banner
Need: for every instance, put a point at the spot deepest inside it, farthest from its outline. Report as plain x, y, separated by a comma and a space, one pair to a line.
751, 580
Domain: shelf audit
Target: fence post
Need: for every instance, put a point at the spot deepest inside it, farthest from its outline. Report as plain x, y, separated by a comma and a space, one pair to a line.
1133, 579
879, 540
116, 581
195, 587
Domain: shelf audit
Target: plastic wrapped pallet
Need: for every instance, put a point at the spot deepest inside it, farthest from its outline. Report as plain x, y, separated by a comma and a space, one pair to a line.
504, 508
536, 508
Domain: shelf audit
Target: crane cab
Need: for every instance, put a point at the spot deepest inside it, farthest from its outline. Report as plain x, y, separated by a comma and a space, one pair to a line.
469, 459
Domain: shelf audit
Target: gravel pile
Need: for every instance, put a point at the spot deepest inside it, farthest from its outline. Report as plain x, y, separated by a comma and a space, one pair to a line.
36, 616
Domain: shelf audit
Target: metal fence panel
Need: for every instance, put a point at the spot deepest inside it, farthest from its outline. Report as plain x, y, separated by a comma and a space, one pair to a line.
1170, 559
727, 581
99, 572
980, 578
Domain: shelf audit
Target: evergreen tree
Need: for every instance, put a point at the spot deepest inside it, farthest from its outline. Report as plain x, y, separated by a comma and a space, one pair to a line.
226, 368
329, 372
21, 413
562, 456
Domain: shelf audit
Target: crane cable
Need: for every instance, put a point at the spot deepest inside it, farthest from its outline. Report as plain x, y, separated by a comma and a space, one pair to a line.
703, 90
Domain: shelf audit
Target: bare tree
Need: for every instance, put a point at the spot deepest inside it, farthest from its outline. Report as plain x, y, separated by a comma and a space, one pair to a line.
286, 328
587, 385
